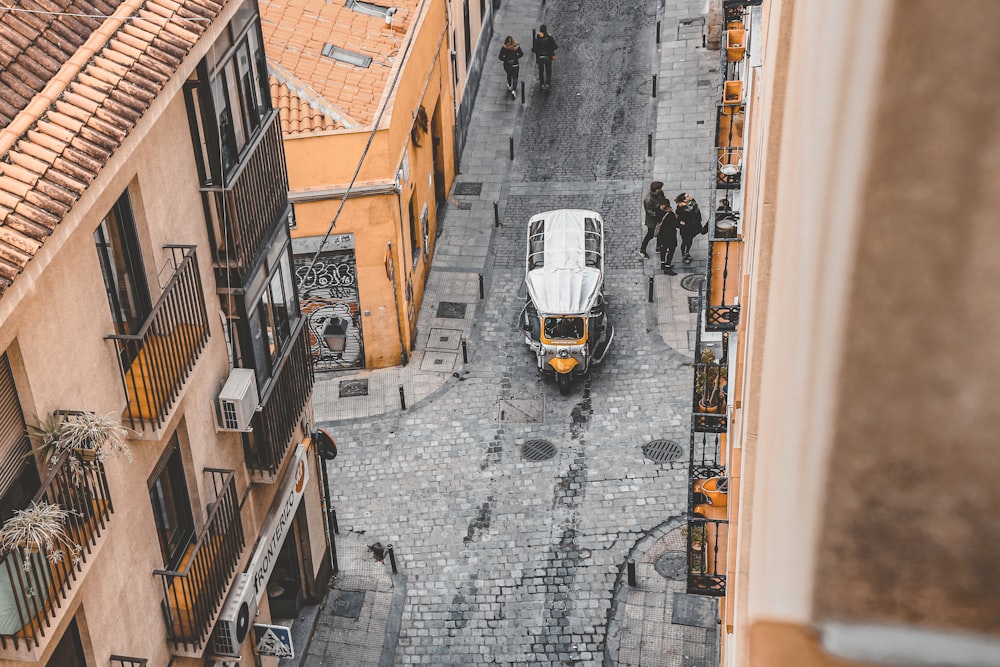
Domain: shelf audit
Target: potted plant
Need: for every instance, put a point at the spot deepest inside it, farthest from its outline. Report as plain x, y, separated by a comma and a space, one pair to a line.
88, 436
39, 526
710, 380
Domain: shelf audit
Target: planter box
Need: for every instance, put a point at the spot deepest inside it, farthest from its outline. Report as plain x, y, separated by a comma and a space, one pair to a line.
732, 92
736, 44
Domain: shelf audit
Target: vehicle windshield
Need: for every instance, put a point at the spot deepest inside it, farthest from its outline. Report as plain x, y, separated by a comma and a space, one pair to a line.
564, 328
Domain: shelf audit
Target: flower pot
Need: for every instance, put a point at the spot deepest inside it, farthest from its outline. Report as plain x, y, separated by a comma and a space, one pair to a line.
736, 44
709, 409
86, 454
732, 92
30, 547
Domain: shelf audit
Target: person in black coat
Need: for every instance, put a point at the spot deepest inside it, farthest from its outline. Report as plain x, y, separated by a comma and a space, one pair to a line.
666, 240
654, 204
544, 49
688, 222
510, 54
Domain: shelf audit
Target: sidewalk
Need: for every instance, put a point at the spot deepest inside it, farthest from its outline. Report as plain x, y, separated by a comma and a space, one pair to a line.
655, 617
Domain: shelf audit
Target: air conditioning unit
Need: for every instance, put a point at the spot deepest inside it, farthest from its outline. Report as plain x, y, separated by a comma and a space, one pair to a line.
234, 622
237, 401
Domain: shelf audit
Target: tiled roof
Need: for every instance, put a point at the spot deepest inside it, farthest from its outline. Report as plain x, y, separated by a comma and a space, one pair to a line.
72, 89
302, 108
295, 32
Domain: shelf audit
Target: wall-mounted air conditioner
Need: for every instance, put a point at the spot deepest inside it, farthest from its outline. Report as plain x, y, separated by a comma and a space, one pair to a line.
234, 622
237, 401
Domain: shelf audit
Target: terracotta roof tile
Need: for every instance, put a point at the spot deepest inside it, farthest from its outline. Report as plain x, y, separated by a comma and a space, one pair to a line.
295, 32
60, 150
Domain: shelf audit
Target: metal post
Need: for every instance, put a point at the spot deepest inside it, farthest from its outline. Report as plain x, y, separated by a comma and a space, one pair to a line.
654, 85
512, 145
657, 32
392, 558
331, 517
651, 289
631, 574
465, 352
482, 292
402, 398
649, 145
496, 214
522, 92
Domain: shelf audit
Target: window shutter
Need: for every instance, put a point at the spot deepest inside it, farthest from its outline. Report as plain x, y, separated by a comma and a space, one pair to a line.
14, 443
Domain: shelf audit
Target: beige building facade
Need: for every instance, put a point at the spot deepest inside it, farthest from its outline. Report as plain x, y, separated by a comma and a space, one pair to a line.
859, 526
143, 201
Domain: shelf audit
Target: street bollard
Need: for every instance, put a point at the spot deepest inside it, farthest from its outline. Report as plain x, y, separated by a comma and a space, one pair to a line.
651, 289
392, 558
482, 292
336, 526
512, 146
631, 574
522, 93
465, 352
654, 85
649, 145
402, 398
496, 214
657, 32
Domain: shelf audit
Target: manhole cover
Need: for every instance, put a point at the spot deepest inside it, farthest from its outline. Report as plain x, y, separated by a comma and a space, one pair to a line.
693, 282
347, 604
469, 189
662, 451
350, 388
538, 450
672, 565
695, 610
451, 310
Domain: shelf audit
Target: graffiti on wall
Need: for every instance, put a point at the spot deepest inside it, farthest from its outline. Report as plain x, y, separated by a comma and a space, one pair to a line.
330, 301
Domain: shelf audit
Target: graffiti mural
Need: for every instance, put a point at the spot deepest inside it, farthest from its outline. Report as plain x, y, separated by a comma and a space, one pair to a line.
329, 295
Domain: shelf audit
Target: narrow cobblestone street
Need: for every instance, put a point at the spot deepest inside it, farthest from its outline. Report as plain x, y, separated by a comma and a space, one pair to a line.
509, 559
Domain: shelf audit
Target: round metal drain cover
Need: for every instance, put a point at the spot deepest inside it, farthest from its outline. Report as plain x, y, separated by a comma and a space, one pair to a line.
662, 451
672, 565
692, 282
538, 450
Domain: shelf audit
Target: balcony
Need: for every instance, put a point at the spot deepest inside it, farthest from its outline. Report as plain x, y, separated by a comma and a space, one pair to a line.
283, 402
35, 587
193, 593
729, 144
155, 362
710, 395
707, 541
722, 312
246, 210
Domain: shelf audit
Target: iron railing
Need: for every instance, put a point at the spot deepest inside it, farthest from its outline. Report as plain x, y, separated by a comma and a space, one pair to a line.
124, 661
36, 583
710, 395
254, 199
722, 311
193, 593
283, 403
706, 547
156, 360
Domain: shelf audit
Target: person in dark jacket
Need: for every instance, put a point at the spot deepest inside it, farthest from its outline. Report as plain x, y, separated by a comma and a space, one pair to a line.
666, 240
544, 49
510, 54
654, 204
688, 222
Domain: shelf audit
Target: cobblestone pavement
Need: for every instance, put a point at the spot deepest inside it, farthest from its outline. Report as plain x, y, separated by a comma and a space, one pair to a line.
509, 559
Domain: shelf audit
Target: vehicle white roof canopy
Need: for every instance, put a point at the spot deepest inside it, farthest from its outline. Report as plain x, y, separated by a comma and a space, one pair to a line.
565, 261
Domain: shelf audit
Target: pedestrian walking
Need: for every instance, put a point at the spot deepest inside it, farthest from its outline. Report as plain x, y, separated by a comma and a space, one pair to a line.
688, 223
666, 240
510, 54
544, 48
654, 205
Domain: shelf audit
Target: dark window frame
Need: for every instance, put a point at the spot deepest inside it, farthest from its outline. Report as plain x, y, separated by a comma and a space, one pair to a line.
118, 248
175, 491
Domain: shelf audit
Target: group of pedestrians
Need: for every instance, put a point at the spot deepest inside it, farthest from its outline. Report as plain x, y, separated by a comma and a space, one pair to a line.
543, 46
665, 224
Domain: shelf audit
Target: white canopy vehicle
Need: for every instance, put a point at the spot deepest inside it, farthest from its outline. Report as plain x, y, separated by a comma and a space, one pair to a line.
564, 317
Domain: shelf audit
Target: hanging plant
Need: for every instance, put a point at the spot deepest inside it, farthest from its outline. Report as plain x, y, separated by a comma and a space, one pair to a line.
89, 437
39, 527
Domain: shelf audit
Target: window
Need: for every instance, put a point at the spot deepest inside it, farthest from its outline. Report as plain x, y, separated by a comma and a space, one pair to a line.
69, 650
345, 56
414, 234
468, 34
272, 314
121, 263
369, 8
19, 479
171, 506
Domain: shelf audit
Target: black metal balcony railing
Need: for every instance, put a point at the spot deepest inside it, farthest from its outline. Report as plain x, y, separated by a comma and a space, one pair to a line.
252, 202
707, 546
284, 400
193, 593
156, 360
125, 661
722, 311
710, 396
37, 585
